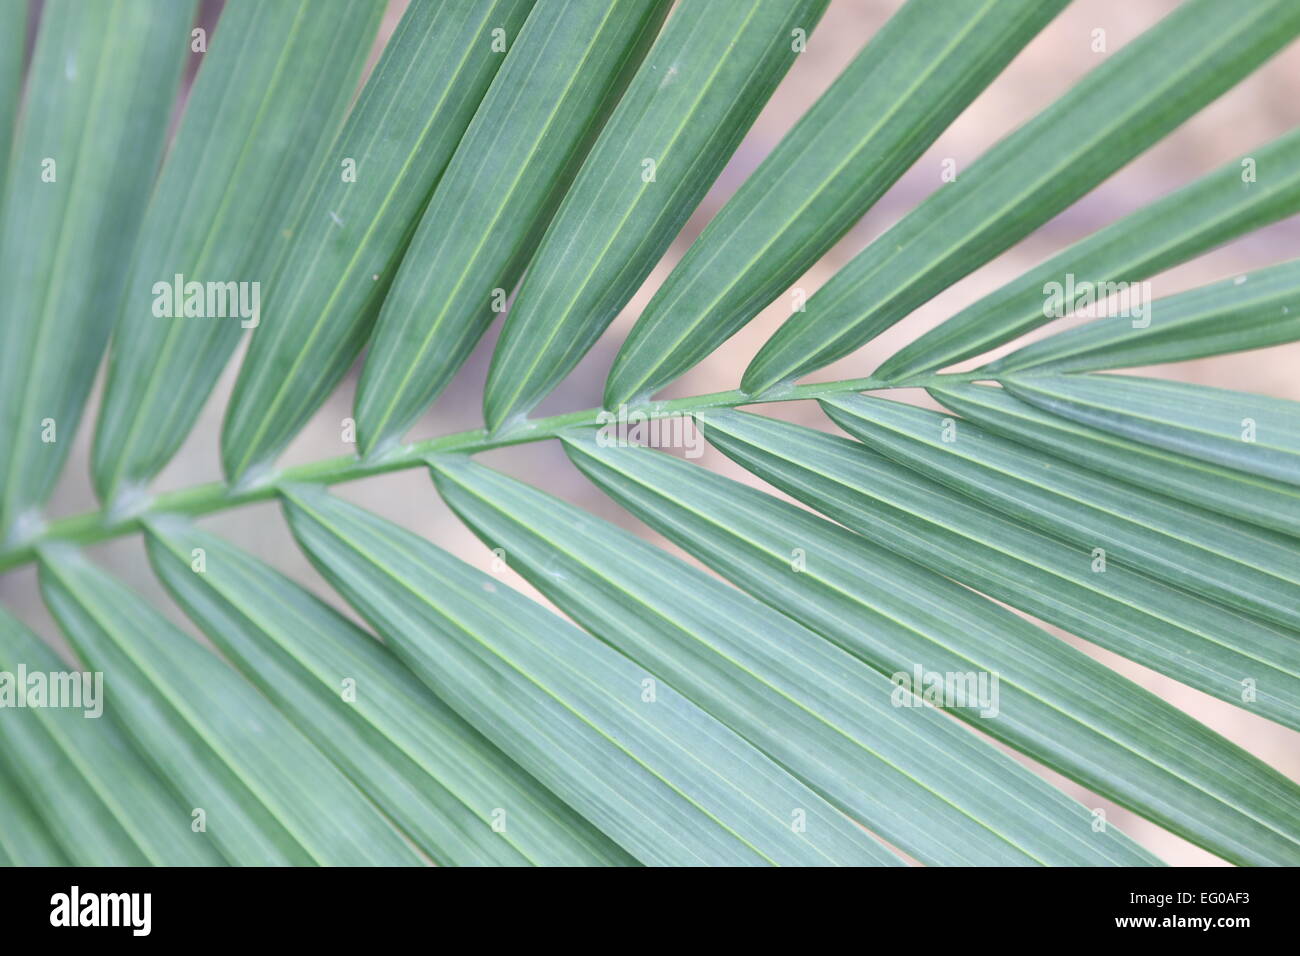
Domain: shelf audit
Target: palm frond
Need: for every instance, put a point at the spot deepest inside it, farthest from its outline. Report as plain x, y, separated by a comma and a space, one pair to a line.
270, 97
1056, 704
1260, 501
97, 798
88, 145
905, 87
350, 232
684, 113
535, 125
757, 689
1124, 106
422, 764
1188, 222
1246, 432
667, 781
1199, 641
264, 792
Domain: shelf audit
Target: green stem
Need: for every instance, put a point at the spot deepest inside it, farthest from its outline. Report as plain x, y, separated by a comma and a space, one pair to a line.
95, 526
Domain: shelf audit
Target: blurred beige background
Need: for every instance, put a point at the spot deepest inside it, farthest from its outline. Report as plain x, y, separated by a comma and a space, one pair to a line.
1262, 107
